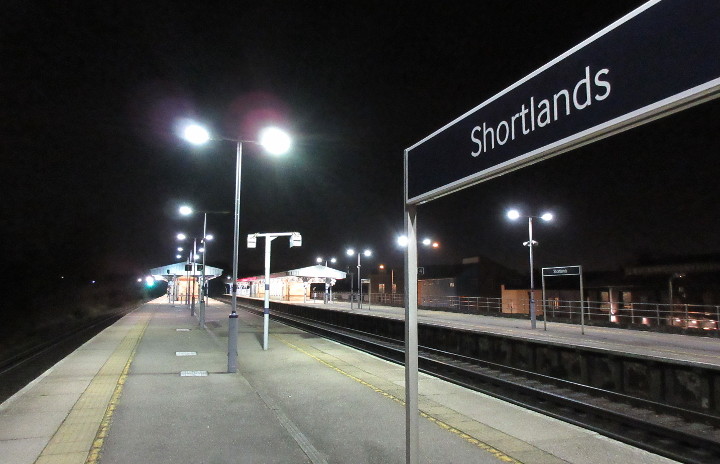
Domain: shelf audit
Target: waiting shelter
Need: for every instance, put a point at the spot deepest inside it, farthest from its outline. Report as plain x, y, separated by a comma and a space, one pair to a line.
184, 279
293, 285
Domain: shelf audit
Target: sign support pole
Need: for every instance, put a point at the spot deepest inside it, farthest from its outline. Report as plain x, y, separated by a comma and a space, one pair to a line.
411, 339
544, 303
582, 303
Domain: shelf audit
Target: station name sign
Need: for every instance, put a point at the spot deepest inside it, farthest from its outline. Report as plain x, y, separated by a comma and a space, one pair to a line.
658, 59
561, 271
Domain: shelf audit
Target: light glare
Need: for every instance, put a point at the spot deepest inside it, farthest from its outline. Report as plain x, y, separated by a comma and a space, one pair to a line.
513, 214
181, 236
275, 141
185, 210
402, 241
547, 217
196, 134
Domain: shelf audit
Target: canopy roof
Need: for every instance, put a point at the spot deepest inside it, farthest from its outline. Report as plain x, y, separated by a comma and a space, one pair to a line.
317, 271
169, 271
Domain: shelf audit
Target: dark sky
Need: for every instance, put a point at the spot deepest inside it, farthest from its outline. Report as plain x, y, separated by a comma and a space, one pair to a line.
93, 171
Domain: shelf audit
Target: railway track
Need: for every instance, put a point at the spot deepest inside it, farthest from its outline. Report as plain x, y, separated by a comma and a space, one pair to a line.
681, 434
22, 367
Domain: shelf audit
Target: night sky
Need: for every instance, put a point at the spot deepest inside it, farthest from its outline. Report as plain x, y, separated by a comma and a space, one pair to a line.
93, 170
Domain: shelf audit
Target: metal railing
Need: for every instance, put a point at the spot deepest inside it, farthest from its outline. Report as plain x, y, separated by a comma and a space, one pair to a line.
621, 314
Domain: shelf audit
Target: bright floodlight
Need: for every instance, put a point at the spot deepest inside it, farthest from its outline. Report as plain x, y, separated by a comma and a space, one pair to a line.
180, 249
350, 252
209, 237
195, 134
367, 253
426, 242
402, 241
181, 236
318, 260
547, 217
513, 214
185, 210
178, 256
333, 260
275, 141
435, 245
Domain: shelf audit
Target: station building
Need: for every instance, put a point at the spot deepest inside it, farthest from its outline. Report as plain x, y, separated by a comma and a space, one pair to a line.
292, 285
184, 279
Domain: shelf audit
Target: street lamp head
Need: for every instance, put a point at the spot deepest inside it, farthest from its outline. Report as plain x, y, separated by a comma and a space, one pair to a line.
209, 237
178, 256
181, 236
195, 134
367, 253
547, 217
402, 241
333, 260
436, 245
426, 242
513, 214
318, 260
275, 141
185, 210
350, 252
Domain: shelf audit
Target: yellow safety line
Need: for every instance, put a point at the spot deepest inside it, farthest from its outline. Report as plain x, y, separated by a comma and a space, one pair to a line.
465, 436
94, 453
74, 437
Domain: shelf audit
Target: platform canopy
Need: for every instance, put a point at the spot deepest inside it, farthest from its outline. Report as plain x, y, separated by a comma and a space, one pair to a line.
170, 271
311, 272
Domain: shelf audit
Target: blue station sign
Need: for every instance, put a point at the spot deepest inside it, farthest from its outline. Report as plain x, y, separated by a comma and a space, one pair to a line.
660, 58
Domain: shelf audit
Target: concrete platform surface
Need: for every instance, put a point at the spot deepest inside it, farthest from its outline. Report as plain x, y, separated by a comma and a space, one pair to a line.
121, 398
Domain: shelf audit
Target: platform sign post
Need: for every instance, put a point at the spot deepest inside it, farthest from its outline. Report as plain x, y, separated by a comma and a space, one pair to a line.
564, 271
295, 240
656, 60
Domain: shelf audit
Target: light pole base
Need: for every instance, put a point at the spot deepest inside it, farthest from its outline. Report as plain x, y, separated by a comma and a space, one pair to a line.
232, 342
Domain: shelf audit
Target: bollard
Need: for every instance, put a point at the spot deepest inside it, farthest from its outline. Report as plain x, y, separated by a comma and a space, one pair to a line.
232, 342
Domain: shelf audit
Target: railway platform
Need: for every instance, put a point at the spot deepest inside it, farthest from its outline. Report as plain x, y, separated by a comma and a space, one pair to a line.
692, 350
153, 387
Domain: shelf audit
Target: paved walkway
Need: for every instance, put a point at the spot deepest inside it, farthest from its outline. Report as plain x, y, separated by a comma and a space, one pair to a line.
152, 388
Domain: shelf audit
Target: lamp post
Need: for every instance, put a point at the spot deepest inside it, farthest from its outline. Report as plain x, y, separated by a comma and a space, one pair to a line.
513, 215
676, 275
403, 242
320, 260
366, 253
295, 240
274, 141
327, 295
186, 210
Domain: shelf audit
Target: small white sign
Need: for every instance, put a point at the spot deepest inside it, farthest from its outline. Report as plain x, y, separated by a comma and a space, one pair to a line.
182, 330
186, 353
193, 373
